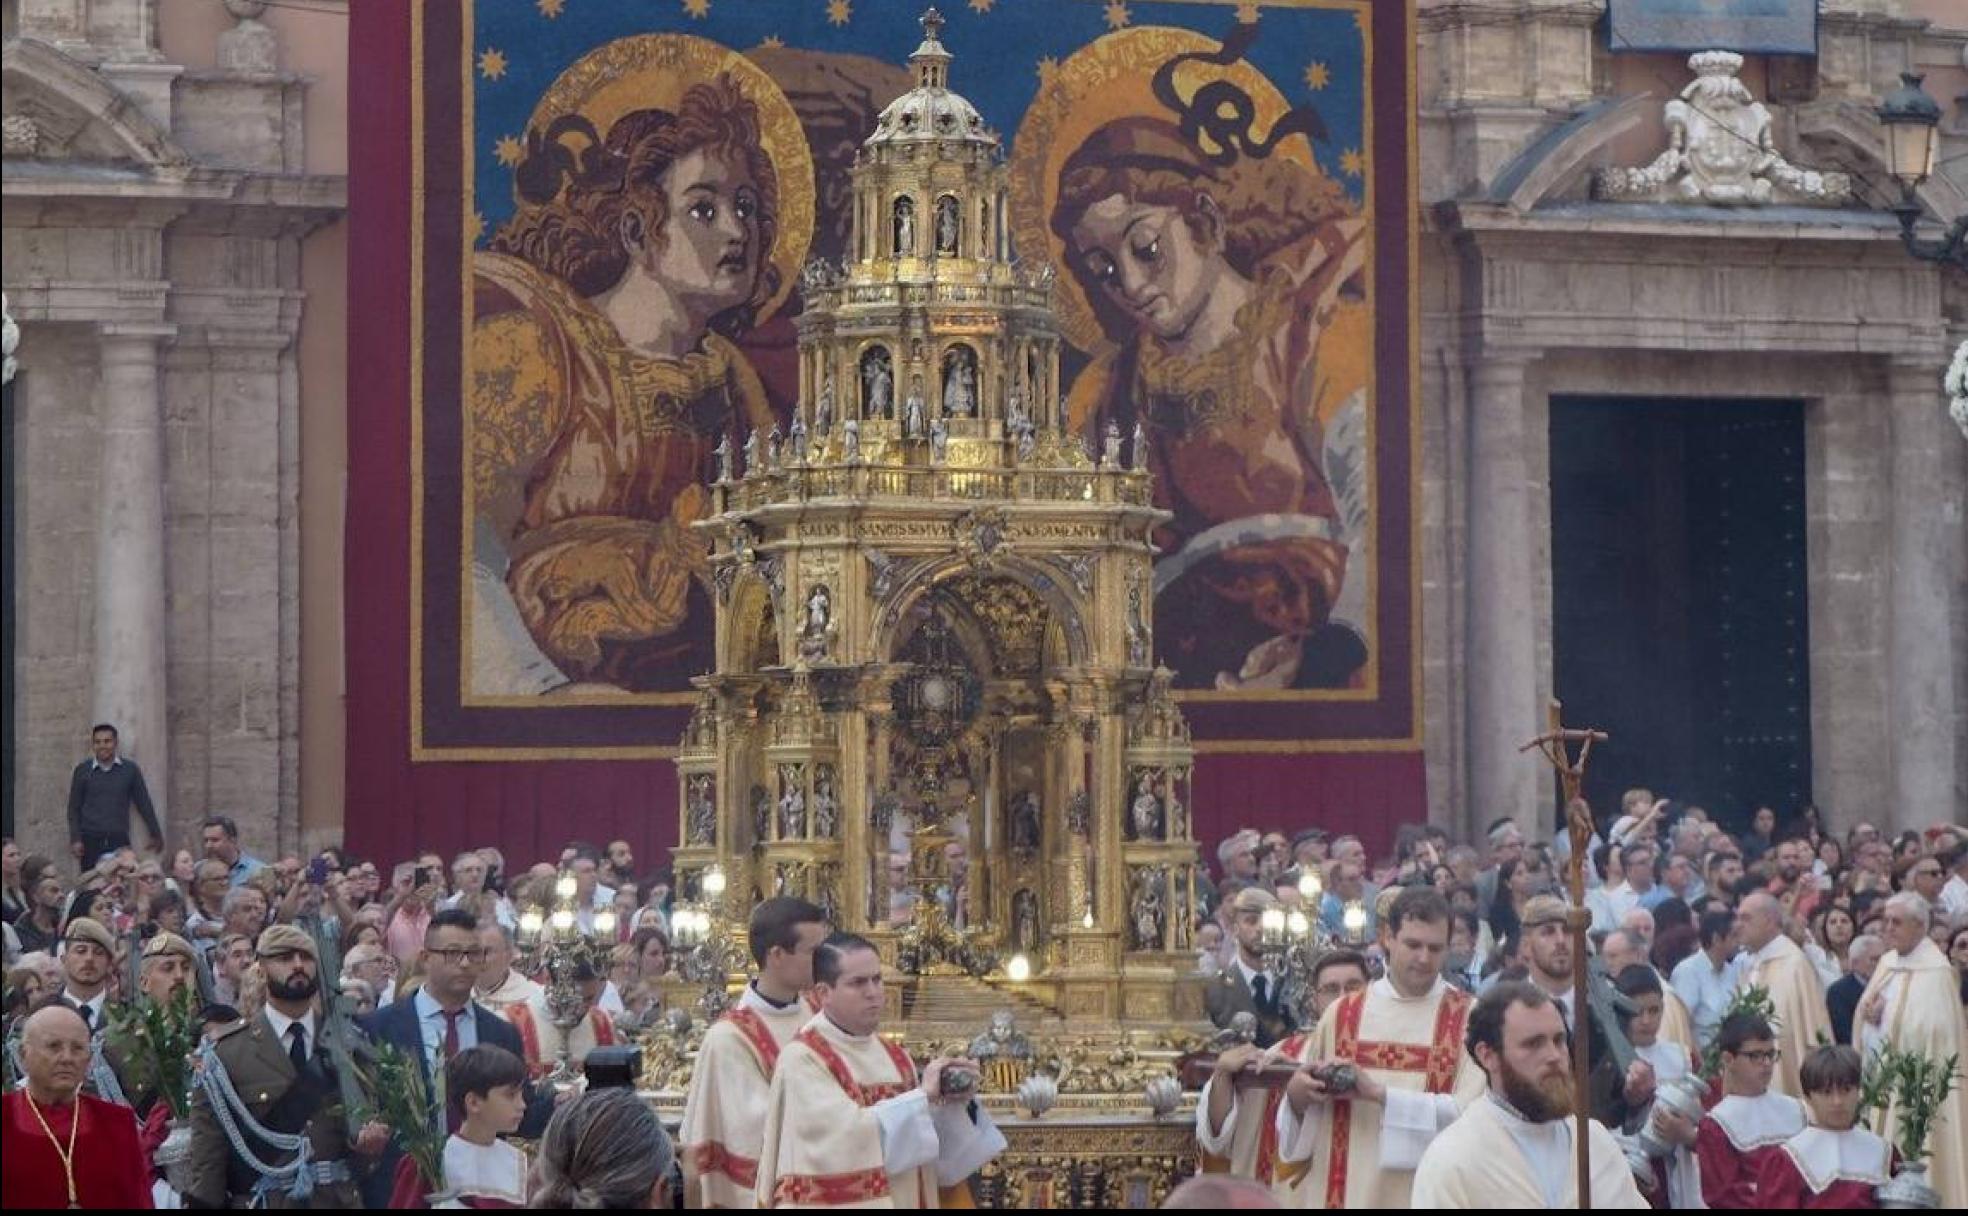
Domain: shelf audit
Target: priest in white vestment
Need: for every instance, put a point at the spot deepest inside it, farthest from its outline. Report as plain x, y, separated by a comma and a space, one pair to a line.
498, 986
849, 1122
724, 1114
1797, 998
1236, 1122
1403, 1038
1515, 1148
1914, 1004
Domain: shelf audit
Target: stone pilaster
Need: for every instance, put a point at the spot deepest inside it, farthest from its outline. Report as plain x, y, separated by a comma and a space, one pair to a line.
1925, 541
130, 602
1502, 621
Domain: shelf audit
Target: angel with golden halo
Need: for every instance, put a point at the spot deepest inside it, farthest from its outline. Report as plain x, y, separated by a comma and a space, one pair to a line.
1219, 288
657, 222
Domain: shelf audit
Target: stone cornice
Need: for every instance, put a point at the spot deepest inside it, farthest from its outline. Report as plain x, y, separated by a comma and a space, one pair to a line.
1595, 276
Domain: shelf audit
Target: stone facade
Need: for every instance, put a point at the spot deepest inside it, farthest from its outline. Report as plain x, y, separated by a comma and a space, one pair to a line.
1533, 289
152, 226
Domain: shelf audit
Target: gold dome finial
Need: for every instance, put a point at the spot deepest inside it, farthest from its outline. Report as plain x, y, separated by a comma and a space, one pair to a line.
931, 61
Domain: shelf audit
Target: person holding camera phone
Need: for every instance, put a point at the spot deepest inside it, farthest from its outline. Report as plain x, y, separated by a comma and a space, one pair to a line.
850, 1121
414, 892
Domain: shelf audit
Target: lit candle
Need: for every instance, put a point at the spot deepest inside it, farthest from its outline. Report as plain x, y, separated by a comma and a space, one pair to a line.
604, 923
1355, 918
714, 880
564, 888
563, 920
1019, 969
1310, 888
1296, 924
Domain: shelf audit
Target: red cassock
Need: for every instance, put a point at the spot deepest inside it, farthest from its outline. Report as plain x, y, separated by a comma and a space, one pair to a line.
111, 1169
1729, 1174
1841, 1180
1736, 1138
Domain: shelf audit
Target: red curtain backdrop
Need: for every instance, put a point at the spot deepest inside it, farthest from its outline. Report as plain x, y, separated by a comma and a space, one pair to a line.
531, 808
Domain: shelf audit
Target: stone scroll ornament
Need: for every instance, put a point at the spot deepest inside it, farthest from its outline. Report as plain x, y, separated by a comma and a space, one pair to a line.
1720, 150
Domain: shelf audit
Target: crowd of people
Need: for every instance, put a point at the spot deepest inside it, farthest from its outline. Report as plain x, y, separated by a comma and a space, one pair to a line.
1428, 1039
1765, 966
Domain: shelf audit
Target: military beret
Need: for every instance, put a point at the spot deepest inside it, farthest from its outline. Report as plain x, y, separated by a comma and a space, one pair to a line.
283, 939
169, 943
1254, 899
87, 929
1544, 909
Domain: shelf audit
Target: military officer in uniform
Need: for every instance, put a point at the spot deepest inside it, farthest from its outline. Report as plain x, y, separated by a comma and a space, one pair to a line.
88, 956
267, 1122
1245, 985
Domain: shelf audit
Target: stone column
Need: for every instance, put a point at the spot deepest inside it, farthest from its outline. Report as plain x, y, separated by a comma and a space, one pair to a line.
1500, 677
1928, 461
130, 599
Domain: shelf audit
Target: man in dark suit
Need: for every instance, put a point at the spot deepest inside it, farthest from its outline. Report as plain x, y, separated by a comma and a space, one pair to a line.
1842, 998
441, 1019
1245, 986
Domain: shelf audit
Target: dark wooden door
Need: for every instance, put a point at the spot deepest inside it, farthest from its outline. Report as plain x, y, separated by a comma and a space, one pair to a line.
1679, 597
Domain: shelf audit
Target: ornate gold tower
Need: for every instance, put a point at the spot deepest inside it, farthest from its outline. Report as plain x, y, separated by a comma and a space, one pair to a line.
933, 709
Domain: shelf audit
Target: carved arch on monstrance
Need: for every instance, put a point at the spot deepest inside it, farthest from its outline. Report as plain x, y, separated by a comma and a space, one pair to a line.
1064, 613
752, 637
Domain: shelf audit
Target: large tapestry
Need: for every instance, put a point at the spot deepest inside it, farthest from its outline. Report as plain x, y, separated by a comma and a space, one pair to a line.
609, 210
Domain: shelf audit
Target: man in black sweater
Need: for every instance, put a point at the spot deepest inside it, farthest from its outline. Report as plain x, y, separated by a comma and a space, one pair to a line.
100, 795
1842, 997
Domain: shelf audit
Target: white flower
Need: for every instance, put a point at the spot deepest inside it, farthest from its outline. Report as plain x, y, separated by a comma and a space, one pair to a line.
1956, 382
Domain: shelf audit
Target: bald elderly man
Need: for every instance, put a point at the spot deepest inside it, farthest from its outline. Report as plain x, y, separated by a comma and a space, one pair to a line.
63, 1148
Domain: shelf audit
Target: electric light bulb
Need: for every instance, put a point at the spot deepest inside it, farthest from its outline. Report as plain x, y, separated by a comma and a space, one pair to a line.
1355, 917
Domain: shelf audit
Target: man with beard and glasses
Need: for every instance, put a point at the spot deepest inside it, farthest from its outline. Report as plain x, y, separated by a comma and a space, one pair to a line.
270, 1085
1401, 1039
1751, 1122
1515, 1147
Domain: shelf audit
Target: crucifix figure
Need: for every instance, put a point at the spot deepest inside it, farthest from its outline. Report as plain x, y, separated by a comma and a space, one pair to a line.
1555, 744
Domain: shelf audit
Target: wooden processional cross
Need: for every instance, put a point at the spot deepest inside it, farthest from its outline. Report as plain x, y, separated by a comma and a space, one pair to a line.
1555, 745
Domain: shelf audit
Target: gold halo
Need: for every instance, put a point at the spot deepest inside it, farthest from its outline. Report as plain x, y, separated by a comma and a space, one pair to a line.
653, 71
1108, 79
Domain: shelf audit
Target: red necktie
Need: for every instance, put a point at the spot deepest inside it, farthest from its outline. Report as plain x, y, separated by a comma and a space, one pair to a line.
451, 1049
